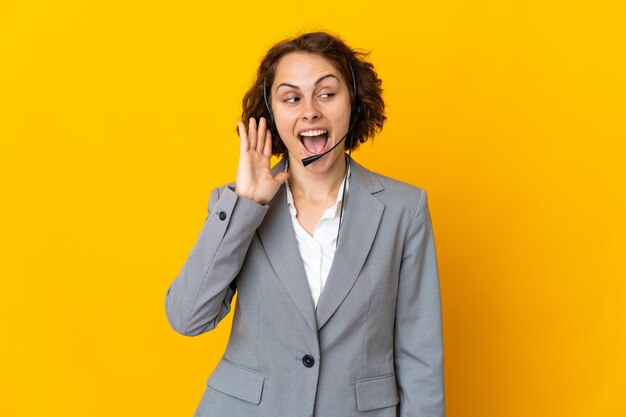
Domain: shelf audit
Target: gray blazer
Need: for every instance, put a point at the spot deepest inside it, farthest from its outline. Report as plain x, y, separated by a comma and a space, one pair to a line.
372, 347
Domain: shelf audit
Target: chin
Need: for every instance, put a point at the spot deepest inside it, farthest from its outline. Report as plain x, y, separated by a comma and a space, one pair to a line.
325, 163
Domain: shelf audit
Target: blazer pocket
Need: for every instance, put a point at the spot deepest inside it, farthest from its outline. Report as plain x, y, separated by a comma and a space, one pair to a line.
377, 392
237, 381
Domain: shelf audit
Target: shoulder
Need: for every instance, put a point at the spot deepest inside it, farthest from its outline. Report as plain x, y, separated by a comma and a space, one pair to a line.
395, 187
392, 191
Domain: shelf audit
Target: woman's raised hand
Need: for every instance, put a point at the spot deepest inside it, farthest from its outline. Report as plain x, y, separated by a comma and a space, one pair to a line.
254, 175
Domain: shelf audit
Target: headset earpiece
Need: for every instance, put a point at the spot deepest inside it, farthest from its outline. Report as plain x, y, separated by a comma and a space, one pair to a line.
269, 117
356, 106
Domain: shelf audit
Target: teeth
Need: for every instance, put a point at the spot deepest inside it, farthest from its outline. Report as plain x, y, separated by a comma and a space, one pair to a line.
313, 132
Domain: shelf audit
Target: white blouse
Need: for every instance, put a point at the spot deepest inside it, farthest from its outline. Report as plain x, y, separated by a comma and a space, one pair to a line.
318, 251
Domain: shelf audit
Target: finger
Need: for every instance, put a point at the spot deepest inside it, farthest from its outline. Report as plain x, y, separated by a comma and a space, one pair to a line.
261, 135
252, 133
243, 137
267, 149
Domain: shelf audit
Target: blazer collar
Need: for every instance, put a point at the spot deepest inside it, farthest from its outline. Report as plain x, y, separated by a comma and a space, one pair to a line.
361, 218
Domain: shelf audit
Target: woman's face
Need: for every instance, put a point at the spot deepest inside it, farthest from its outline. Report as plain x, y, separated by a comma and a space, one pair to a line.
311, 106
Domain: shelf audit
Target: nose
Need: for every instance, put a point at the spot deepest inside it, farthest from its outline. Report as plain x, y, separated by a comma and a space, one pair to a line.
310, 111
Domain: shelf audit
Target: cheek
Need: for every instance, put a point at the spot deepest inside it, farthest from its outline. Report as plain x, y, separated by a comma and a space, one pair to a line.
281, 117
284, 125
343, 116
285, 122
343, 110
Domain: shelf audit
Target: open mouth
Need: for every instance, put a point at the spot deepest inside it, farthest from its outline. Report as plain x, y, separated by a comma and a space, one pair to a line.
314, 141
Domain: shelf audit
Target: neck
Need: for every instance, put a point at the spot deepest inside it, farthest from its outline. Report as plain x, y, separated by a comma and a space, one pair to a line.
313, 185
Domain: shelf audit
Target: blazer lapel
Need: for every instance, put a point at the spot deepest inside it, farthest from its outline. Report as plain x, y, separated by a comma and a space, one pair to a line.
361, 218
278, 238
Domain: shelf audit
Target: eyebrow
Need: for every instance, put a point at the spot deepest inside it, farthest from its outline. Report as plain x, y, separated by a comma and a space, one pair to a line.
316, 82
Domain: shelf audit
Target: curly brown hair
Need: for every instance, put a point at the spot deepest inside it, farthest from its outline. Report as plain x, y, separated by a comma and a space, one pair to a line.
369, 92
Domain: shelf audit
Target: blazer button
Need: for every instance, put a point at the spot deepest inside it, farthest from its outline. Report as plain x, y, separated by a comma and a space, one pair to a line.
308, 361
222, 215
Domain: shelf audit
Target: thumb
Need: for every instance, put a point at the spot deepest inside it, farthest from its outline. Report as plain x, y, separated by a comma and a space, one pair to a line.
281, 177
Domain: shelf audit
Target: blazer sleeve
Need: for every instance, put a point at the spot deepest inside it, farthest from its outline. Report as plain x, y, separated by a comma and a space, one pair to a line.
200, 296
418, 348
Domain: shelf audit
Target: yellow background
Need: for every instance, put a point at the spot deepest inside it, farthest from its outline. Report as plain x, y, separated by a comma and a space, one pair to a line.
117, 118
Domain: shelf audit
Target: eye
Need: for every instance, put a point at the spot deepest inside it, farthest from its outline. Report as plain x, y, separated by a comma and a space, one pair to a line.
292, 99
327, 95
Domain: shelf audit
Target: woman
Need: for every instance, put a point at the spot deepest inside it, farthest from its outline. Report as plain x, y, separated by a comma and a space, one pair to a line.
338, 311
